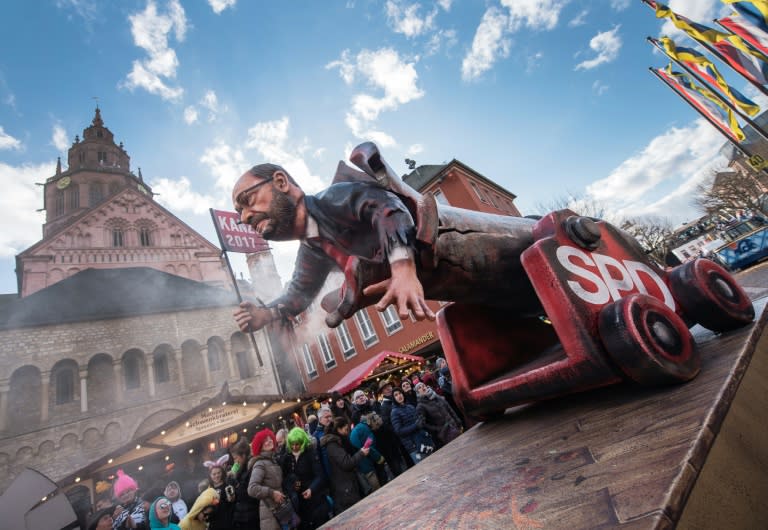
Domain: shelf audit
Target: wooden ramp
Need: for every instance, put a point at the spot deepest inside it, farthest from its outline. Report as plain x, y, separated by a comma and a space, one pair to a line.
694, 455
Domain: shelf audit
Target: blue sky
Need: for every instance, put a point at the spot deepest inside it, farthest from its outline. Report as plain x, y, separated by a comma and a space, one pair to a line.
546, 97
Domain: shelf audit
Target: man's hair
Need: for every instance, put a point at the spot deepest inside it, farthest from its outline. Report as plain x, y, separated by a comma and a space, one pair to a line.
265, 171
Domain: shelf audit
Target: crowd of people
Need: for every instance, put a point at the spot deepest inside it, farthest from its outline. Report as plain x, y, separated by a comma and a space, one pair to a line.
302, 477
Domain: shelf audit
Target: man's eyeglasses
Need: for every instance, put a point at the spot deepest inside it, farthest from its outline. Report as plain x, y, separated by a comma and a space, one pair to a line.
242, 197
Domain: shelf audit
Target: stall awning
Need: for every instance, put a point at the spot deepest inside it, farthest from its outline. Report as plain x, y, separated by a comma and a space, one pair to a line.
368, 369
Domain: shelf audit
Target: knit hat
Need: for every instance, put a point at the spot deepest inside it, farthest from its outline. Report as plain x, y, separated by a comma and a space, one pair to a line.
384, 382
123, 482
297, 435
358, 393
93, 520
419, 386
258, 440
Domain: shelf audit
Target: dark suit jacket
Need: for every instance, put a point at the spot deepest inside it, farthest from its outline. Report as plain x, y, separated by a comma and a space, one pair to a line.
354, 219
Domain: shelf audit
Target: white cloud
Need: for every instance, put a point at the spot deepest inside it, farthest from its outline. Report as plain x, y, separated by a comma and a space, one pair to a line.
580, 19
150, 31
190, 115
270, 139
19, 203
382, 70
220, 5
607, 45
534, 14
445, 4
59, 138
488, 45
439, 39
599, 88
178, 196
415, 149
85, 9
677, 159
405, 19
7, 141
532, 61
619, 5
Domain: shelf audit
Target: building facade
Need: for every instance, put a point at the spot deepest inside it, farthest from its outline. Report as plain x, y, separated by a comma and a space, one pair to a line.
99, 214
123, 323
326, 355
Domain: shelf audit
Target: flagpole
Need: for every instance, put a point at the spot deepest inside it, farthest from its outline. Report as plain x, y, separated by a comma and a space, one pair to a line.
237, 289
735, 144
723, 99
716, 53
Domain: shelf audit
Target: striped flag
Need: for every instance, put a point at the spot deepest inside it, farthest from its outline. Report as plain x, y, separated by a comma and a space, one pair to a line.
705, 101
700, 64
747, 30
754, 11
750, 63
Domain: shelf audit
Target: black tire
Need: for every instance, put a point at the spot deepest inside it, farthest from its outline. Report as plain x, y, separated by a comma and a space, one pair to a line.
708, 295
648, 341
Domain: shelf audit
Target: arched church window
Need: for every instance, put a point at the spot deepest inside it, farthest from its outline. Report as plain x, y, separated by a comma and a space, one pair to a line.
65, 386
95, 193
131, 371
58, 203
145, 236
215, 352
74, 197
162, 374
117, 237
102, 157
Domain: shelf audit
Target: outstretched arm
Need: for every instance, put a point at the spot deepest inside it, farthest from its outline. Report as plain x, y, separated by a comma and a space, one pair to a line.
403, 289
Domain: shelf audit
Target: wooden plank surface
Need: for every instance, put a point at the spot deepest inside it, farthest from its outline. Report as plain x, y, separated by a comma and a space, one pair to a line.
618, 457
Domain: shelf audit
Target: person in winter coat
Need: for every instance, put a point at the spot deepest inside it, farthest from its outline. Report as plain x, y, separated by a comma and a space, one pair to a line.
408, 392
367, 466
221, 518
340, 406
407, 424
343, 459
179, 508
440, 420
160, 513
245, 510
304, 481
204, 505
266, 479
129, 512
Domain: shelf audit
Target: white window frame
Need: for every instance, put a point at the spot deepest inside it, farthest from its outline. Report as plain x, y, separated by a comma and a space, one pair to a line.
326, 351
345, 341
440, 197
366, 329
391, 320
309, 362
476, 187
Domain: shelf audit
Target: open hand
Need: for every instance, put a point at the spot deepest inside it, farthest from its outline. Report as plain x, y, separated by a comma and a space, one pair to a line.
250, 317
404, 290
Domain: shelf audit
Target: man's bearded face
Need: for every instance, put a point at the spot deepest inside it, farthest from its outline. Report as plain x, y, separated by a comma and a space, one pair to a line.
277, 223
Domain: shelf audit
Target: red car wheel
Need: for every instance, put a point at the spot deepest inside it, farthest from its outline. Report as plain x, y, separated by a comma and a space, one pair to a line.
648, 341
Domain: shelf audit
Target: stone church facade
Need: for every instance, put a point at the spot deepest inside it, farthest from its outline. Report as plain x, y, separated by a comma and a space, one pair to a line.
123, 320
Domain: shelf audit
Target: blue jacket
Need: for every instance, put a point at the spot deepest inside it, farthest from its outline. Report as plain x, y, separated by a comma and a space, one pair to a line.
357, 438
406, 424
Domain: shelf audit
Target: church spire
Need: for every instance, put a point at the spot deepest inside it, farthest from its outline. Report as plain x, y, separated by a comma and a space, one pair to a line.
97, 121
